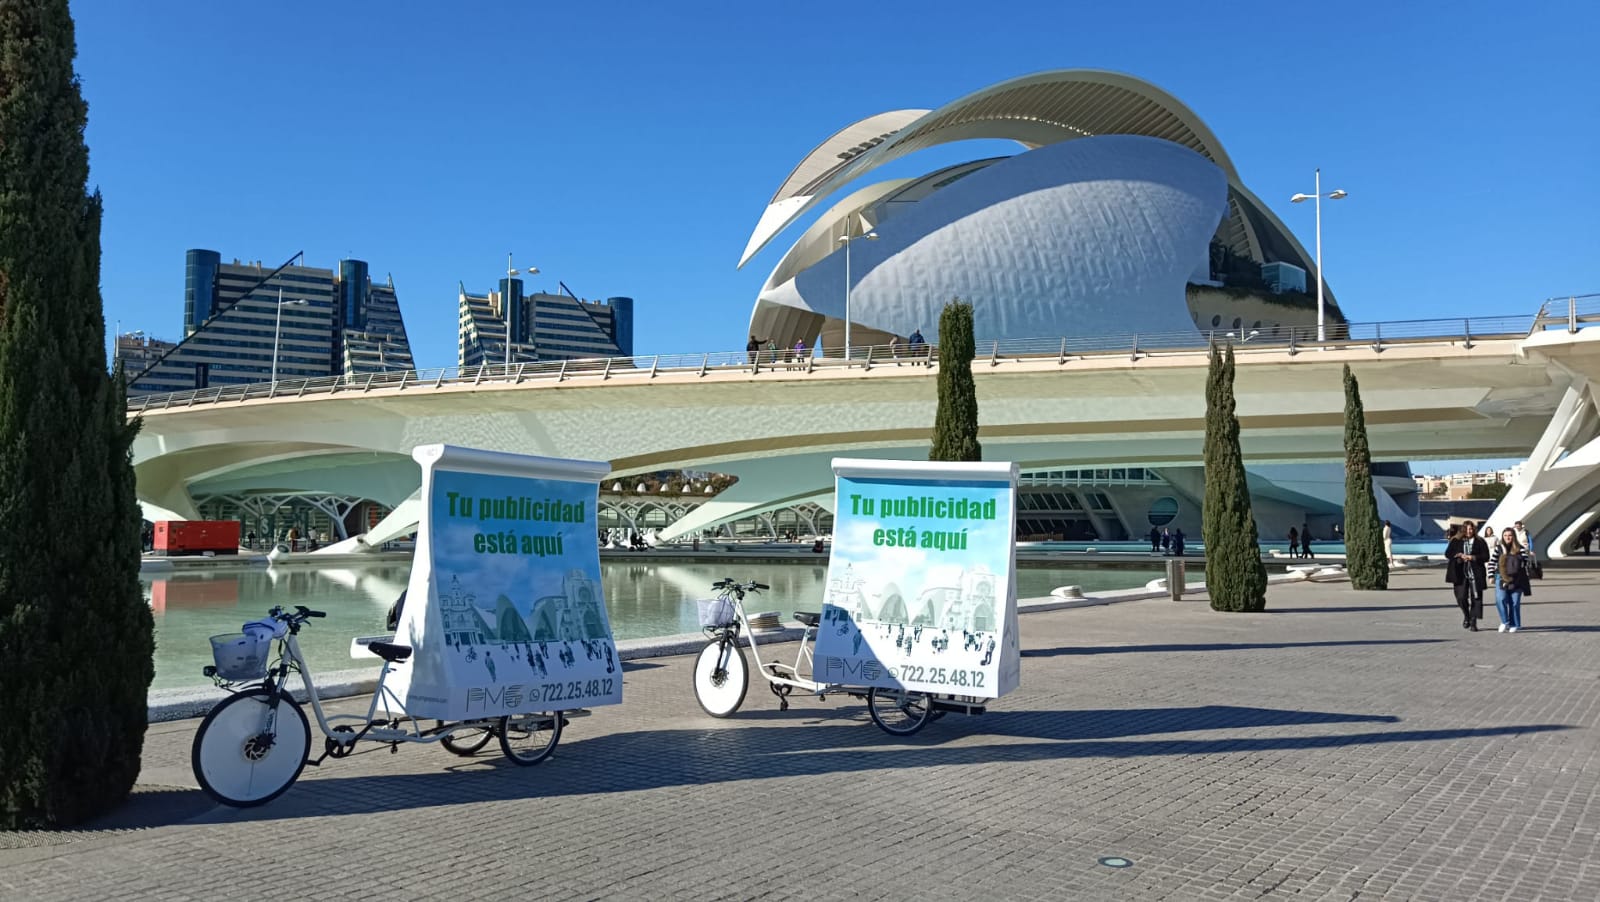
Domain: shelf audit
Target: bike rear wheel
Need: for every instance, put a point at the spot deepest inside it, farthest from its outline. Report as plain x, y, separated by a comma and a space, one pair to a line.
527, 739
721, 677
898, 712
239, 759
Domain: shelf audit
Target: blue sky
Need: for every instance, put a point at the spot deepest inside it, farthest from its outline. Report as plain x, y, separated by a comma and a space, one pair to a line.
628, 148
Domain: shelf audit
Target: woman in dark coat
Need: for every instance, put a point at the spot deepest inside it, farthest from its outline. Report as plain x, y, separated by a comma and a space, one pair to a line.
1467, 572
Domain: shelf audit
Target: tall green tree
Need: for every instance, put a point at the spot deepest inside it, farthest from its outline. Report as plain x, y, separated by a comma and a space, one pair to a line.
76, 637
1363, 534
1236, 579
955, 426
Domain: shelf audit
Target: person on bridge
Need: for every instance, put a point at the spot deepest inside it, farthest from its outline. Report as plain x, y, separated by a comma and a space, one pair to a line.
1467, 573
1585, 539
1388, 542
1294, 542
752, 348
1177, 543
1155, 540
1166, 539
1305, 542
919, 346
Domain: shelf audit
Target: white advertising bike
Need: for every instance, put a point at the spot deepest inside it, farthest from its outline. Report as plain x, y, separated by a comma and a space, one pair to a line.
254, 744
722, 676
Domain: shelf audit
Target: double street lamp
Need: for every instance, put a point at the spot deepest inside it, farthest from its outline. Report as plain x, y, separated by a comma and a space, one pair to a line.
846, 239
277, 330
505, 303
1317, 195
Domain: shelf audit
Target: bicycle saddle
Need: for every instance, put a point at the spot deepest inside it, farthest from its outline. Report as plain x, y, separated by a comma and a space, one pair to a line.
389, 651
808, 618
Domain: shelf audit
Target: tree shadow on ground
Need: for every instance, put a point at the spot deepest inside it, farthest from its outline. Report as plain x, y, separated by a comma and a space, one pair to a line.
1558, 629
661, 759
1211, 646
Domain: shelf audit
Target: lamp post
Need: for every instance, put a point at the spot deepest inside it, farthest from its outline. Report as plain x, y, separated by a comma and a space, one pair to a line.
1340, 194
277, 329
846, 240
505, 303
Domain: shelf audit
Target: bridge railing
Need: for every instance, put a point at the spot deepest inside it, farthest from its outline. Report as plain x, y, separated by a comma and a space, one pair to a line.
1570, 313
1581, 311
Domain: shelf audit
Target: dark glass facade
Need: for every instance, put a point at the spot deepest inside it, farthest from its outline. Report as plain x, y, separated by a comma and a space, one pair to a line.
354, 291
199, 287
622, 324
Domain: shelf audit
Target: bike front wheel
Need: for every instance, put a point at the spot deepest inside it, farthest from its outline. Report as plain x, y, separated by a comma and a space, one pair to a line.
528, 739
251, 748
721, 677
897, 711
466, 741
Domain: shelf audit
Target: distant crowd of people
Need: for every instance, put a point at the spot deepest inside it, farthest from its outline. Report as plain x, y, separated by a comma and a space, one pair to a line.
1166, 541
914, 349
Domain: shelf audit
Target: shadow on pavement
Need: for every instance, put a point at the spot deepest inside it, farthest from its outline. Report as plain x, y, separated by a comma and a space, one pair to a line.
1210, 646
1356, 609
656, 759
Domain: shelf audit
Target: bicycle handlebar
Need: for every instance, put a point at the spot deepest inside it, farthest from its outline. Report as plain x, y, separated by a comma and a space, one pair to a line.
728, 583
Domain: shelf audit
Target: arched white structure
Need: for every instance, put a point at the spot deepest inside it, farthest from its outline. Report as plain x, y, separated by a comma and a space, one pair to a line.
1036, 111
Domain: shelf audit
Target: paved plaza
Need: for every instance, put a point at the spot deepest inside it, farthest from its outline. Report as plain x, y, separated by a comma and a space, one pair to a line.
1345, 745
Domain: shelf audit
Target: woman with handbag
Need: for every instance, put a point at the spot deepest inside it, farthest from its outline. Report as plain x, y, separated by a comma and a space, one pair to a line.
1468, 558
1509, 564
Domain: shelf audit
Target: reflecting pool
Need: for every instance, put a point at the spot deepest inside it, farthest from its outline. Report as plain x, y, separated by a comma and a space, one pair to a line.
644, 599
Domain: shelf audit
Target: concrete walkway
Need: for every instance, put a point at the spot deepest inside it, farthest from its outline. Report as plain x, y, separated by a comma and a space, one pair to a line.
1342, 746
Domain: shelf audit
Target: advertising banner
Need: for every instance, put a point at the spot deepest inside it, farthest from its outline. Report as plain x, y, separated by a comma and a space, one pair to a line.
922, 579
508, 565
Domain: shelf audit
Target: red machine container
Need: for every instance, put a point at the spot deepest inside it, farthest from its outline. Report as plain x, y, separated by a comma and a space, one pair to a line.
175, 537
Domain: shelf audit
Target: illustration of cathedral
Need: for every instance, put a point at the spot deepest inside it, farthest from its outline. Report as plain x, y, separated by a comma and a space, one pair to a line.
578, 613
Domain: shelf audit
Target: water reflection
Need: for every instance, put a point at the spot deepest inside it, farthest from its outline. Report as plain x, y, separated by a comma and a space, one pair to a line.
643, 598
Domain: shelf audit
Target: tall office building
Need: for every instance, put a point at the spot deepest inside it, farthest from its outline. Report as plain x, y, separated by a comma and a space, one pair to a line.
328, 323
542, 326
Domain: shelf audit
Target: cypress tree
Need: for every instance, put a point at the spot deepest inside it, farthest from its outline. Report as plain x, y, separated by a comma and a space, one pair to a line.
955, 426
1236, 579
1363, 534
76, 639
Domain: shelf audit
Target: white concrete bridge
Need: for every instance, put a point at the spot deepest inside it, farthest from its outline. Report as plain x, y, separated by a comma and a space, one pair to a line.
1445, 389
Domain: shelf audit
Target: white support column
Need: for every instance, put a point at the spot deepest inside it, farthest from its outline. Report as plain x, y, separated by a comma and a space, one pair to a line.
1558, 491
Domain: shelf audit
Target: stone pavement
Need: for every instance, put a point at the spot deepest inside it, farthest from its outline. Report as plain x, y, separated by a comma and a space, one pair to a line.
1345, 745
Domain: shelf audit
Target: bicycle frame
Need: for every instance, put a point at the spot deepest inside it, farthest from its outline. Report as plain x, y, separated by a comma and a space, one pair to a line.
386, 729
764, 667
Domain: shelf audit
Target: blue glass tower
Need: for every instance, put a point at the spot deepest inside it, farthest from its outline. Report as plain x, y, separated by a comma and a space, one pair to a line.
622, 324
354, 292
199, 287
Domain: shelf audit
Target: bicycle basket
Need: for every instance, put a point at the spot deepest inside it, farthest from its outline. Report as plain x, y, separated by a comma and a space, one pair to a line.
715, 611
241, 656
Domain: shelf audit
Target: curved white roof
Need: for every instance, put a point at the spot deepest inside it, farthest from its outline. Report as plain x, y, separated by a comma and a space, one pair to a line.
1034, 110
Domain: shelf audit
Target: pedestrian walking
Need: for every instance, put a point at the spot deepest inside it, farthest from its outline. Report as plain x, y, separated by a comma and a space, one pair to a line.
1525, 539
1305, 542
1166, 540
1585, 539
1177, 543
1294, 542
1155, 540
1388, 542
1509, 563
1467, 573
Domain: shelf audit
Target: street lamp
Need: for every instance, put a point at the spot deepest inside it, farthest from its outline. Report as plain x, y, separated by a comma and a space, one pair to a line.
277, 330
505, 303
1317, 195
846, 240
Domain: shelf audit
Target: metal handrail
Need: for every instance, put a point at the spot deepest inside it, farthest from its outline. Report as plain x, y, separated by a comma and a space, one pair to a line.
1569, 313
